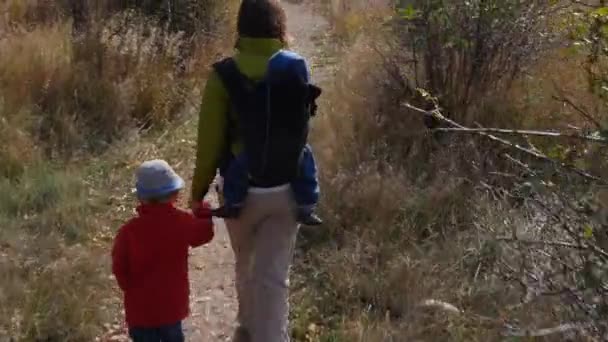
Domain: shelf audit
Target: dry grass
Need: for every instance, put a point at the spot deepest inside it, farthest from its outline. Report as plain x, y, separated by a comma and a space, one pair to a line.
73, 109
350, 18
412, 216
53, 285
406, 217
78, 96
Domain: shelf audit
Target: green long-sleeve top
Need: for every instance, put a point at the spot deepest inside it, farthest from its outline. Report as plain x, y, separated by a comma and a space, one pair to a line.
252, 58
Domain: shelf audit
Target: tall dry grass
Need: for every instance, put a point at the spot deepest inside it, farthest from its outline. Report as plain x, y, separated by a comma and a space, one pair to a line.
412, 248
79, 95
349, 18
54, 283
67, 99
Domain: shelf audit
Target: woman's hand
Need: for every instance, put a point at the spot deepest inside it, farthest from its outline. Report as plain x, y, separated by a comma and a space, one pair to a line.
201, 209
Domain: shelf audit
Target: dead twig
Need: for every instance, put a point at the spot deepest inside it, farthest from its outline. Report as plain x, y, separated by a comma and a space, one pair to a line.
508, 329
585, 114
525, 132
561, 244
560, 329
437, 115
441, 305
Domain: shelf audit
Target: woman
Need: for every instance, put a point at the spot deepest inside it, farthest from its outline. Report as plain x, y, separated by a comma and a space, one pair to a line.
264, 234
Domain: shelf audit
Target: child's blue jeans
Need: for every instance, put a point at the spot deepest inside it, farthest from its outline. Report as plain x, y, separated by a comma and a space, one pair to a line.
305, 187
169, 333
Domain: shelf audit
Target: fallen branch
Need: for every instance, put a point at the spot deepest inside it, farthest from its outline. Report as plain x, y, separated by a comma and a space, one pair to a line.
525, 132
560, 329
437, 114
558, 244
441, 305
508, 329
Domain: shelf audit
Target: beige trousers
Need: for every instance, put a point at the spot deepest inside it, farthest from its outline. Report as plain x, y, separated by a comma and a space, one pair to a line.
263, 240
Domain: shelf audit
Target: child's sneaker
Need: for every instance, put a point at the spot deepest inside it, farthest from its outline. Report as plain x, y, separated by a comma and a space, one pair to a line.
227, 212
308, 218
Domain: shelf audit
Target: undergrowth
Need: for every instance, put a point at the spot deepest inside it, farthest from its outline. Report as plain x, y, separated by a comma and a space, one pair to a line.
426, 231
83, 85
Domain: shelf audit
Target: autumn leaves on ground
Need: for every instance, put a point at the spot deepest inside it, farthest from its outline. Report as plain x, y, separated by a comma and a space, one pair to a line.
448, 235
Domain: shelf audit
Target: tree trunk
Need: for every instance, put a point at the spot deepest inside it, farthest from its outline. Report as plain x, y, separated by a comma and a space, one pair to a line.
80, 15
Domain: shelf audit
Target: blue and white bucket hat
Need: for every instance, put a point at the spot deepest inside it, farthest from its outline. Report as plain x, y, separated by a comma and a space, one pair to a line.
155, 178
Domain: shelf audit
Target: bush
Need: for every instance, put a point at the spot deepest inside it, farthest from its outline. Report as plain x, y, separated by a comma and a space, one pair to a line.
463, 52
440, 237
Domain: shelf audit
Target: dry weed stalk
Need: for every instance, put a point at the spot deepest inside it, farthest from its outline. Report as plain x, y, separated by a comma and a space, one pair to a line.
578, 245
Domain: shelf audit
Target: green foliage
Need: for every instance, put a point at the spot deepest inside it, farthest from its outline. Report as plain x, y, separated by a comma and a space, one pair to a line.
408, 13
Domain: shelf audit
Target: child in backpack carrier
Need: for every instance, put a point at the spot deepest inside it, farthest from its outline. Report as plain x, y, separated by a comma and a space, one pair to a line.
305, 185
305, 189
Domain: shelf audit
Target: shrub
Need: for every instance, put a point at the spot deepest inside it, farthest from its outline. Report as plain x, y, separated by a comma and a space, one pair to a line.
501, 242
463, 52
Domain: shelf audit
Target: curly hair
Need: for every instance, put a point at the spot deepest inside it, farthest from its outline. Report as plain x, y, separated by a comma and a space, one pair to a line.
262, 19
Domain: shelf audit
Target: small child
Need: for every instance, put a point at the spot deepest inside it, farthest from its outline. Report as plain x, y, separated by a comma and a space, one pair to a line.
150, 255
305, 187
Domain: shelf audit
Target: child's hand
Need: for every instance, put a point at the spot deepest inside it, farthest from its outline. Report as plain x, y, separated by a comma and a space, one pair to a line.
202, 210
201, 231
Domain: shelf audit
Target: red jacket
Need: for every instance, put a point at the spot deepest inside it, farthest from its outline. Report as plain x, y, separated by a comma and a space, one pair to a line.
150, 262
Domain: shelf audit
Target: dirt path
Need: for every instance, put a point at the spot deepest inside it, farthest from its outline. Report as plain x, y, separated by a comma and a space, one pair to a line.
213, 293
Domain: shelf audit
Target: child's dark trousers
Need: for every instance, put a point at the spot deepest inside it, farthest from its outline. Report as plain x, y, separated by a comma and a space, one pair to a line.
168, 333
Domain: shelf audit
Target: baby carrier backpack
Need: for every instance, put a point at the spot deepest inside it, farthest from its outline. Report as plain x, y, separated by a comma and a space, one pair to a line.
273, 115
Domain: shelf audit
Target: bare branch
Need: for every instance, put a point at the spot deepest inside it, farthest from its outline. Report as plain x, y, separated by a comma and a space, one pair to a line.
441, 305
437, 114
526, 132
564, 99
561, 244
509, 330
560, 329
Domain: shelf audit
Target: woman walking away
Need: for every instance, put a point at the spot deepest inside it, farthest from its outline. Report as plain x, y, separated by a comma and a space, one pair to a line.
254, 127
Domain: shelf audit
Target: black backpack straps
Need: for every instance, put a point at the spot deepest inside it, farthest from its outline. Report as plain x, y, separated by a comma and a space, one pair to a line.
313, 92
237, 85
